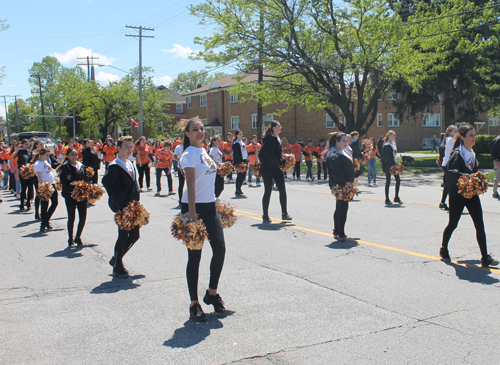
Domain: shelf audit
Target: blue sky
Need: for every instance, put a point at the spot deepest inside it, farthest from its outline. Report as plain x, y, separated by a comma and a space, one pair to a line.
69, 29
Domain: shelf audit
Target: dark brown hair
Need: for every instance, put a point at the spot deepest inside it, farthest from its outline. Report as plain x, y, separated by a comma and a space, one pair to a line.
462, 131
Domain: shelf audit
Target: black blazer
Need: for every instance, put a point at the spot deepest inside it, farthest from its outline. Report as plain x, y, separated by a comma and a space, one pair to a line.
495, 148
270, 155
356, 150
340, 169
237, 154
387, 158
70, 174
90, 158
457, 165
120, 186
23, 157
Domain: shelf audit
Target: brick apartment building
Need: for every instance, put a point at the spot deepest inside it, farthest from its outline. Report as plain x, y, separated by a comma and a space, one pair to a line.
222, 112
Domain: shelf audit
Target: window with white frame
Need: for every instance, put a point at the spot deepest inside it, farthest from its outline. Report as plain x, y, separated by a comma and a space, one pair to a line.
203, 100
235, 123
392, 120
189, 102
233, 98
204, 121
329, 122
159, 128
178, 108
427, 142
431, 120
494, 121
267, 118
379, 120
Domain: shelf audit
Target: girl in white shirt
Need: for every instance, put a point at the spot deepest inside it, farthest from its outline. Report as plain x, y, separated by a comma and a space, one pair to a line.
43, 171
216, 155
199, 200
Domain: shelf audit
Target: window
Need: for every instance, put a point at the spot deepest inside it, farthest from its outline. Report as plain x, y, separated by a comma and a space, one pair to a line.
329, 122
379, 120
268, 118
204, 121
233, 98
159, 128
427, 142
391, 95
494, 121
203, 100
392, 120
178, 108
189, 102
235, 123
431, 120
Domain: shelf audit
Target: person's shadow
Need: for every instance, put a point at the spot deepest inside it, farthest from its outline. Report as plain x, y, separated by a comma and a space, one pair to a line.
343, 245
70, 253
472, 274
117, 284
192, 333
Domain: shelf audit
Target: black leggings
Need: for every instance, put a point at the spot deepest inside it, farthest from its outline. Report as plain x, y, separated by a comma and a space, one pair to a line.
340, 217
268, 174
125, 241
240, 177
388, 184
219, 185
180, 189
457, 204
445, 188
144, 169
46, 212
71, 206
95, 178
26, 192
325, 170
296, 170
210, 217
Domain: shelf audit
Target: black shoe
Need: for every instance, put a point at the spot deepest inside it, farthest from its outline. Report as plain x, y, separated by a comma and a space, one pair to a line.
112, 262
397, 200
266, 219
237, 193
335, 233
28, 207
37, 216
388, 202
216, 301
120, 272
49, 226
488, 261
285, 217
341, 237
22, 208
71, 243
196, 313
443, 206
43, 229
445, 256
78, 241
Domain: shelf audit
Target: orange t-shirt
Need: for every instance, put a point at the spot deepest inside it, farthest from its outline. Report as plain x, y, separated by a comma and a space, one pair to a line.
142, 154
13, 164
109, 153
5, 156
59, 150
308, 152
296, 150
228, 147
373, 153
163, 158
175, 144
286, 147
253, 157
79, 148
319, 151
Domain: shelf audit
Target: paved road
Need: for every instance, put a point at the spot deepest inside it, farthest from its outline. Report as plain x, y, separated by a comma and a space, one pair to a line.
295, 295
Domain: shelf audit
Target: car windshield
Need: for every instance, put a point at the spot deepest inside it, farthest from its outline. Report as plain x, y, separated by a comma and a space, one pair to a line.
48, 140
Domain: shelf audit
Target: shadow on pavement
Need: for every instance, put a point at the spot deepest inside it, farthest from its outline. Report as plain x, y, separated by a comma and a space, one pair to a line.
24, 224
117, 284
343, 245
271, 226
472, 274
70, 253
195, 332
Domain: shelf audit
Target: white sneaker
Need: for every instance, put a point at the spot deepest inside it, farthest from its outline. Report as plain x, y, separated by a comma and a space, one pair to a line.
375, 184
370, 184
231, 181
307, 179
245, 182
141, 189
250, 184
293, 177
149, 189
319, 180
258, 185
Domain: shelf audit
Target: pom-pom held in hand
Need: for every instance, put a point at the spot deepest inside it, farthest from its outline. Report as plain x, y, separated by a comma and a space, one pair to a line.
90, 171
192, 232
81, 191
134, 214
95, 193
45, 191
289, 162
356, 164
225, 168
470, 185
241, 167
256, 169
58, 186
368, 145
27, 171
1, 175
396, 169
438, 162
365, 158
345, 193
226, 212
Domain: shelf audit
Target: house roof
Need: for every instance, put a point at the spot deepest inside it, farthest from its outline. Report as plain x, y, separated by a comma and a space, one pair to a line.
225, 82
179, 98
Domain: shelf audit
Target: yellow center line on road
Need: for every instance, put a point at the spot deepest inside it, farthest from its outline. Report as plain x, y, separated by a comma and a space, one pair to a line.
275, 220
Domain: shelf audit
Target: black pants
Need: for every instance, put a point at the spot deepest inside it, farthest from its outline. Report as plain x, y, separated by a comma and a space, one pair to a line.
71, 206
180, 189
309, 173
12, 181
457, 205
34, 181
158, 178
144, 170
26, 192
124, 243
94, 178
240, 177
325, 170
296, 170
210, 217
388, 184
45, 210
445, 188
268, 174
219, 185
340, 217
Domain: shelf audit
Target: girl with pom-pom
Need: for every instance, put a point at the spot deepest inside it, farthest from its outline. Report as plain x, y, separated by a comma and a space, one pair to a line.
120, 182
463, 161
199, 200
70, 171
389, 153
240, 155
216, 155
23, 157
340, 172
43, 171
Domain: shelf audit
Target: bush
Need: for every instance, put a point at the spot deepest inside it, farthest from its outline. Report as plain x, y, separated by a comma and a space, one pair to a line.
483, 143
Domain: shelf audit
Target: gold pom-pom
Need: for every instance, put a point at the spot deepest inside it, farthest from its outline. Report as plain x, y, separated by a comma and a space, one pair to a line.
58, 185
1, 175
90, 171
227, 215
134, 214
474, 184
365, 158
192, 232
241, 167
45, 191
289, 162
368, 145
225, 168
438, 162
396, 169
345, 193
27, 171
81, 191
95, 193
256, 169
356, 164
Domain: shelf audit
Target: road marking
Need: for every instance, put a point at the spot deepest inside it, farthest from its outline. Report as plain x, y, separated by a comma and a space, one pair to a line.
435, 258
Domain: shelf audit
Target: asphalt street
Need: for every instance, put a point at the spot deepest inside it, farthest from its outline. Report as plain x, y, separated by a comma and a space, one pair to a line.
294, 294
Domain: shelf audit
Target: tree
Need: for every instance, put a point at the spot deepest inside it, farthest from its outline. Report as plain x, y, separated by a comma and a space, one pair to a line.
3, 26
316, 53
24, 110
188, 81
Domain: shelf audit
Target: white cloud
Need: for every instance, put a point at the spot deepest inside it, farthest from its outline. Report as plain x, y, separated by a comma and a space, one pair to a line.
164, 80
71, 56
104, 78
13, 85
180, 51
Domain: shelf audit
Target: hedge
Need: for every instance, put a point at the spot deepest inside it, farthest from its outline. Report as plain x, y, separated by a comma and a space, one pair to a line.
483, 143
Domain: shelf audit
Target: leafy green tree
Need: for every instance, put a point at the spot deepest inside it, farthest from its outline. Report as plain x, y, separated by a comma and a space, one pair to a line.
188, 81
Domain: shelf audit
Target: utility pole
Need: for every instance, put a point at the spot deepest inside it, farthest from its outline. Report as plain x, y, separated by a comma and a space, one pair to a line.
90, 74
140, 36
17, 114
7, 114
41, 99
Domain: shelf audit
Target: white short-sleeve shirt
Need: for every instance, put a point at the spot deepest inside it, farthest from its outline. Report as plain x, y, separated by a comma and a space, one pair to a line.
205, 173
215, 153
44, 168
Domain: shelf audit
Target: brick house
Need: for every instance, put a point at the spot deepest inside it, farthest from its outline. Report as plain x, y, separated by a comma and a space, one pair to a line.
222, 112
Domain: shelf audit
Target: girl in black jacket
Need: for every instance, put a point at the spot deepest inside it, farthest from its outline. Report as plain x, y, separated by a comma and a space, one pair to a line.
240, 155
341, 172
463, 161
90, 158
70, 171
389, 152
271, 159
23, 157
